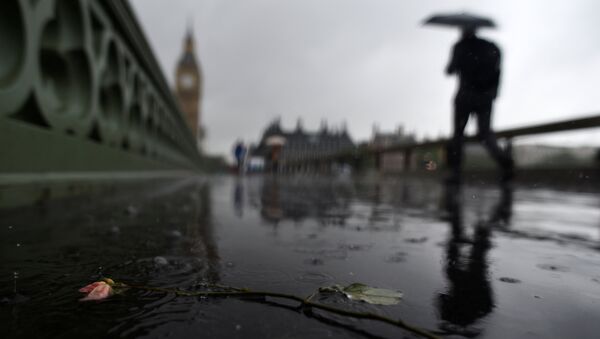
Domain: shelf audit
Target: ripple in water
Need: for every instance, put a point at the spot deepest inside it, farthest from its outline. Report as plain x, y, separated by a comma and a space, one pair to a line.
510, 280
314, 262
554, 268
259, 277
397, 257
318, 278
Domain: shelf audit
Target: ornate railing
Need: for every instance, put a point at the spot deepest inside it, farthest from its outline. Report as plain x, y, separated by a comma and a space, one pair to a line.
82, 69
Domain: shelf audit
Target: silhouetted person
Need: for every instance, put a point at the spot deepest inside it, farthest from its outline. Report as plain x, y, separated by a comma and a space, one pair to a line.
477, 63
274, 156
239, 151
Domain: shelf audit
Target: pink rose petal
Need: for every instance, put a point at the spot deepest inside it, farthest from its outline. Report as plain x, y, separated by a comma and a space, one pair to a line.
101, 291
90, 287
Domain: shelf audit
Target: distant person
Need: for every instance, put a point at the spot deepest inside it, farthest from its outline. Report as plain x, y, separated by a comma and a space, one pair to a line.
477, 63
239, 152
274, 156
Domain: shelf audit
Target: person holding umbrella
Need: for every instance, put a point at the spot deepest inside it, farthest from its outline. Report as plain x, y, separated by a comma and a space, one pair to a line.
477, 63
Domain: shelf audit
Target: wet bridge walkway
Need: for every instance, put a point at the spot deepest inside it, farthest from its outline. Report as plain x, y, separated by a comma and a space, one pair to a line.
483, 261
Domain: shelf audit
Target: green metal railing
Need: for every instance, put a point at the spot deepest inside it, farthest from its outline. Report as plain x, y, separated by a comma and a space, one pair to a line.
80, 90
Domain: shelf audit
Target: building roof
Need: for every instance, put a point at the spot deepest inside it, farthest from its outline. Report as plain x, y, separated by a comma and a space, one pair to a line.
300, 143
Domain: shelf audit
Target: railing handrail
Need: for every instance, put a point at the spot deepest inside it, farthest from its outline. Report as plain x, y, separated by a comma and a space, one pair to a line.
558, 126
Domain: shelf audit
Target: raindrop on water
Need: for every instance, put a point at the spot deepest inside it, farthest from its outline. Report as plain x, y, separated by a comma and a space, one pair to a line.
15, 277
160, 261
175, 234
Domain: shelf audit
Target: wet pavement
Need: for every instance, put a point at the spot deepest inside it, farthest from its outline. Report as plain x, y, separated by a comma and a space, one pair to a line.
480, 261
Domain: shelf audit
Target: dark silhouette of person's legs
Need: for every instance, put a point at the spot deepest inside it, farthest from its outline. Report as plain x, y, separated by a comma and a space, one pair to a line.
488, 138
455, 147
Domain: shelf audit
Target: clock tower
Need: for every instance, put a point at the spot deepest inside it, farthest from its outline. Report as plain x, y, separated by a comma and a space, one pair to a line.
188, 86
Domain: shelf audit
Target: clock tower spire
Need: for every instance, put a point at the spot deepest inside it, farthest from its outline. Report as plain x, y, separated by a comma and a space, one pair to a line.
188, 85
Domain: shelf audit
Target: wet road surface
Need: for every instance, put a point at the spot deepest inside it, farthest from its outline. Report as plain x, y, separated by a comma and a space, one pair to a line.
479, 261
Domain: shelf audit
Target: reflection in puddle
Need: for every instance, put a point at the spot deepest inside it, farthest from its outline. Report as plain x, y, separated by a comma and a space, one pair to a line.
468, 266
469, 295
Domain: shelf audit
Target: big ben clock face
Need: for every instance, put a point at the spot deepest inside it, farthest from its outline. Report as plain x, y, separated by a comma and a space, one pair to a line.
187, 81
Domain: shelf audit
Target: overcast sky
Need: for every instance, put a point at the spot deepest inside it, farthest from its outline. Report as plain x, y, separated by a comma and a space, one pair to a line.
371, 61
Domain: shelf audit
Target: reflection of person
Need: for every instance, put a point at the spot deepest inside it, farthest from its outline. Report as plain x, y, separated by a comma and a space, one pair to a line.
271, 204
469, 295
238, 198
477, 63
200, 231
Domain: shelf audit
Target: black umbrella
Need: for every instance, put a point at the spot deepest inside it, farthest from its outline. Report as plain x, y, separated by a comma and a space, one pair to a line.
461, 20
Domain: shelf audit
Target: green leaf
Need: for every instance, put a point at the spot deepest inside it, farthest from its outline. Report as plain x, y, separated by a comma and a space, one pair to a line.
362, 292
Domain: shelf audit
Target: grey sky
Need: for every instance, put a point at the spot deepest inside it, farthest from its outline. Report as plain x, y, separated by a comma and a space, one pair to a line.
371, 61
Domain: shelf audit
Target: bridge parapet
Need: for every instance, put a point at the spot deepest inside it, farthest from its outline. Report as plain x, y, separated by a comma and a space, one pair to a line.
406, 151
78, 76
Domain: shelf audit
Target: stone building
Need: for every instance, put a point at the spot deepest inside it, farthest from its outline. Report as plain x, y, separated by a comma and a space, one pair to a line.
392, 161
385, 139
298, 144
188, 87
